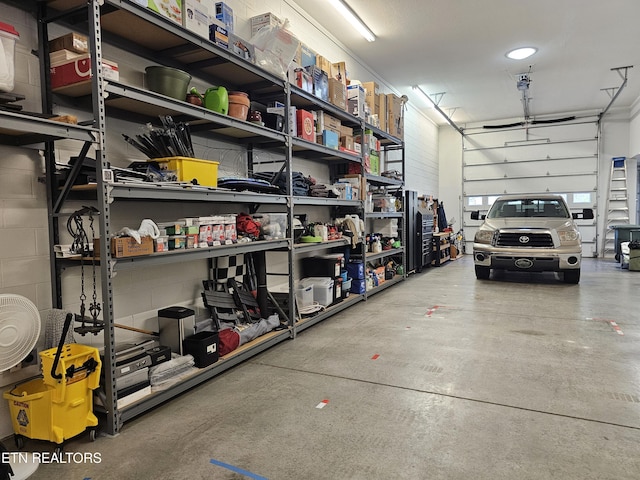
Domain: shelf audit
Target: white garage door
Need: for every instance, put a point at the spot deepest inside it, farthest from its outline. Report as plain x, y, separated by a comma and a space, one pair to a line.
560, 158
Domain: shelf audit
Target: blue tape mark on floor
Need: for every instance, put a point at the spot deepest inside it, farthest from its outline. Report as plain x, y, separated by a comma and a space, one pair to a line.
238, 470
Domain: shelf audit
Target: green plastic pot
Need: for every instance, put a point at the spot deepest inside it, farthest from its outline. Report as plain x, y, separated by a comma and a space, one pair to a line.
168, 81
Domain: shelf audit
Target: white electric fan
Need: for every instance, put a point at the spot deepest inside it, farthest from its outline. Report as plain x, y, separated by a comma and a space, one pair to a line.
19, 331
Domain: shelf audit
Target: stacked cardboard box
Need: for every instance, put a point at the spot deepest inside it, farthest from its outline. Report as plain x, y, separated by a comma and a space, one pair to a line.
356, 100
337, 93
372, 99
263, 20
395, 121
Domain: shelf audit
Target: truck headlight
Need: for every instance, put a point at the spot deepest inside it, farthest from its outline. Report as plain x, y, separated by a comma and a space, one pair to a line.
484, 236
567, 236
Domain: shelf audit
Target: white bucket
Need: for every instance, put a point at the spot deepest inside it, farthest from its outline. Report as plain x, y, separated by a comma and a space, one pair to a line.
8, 37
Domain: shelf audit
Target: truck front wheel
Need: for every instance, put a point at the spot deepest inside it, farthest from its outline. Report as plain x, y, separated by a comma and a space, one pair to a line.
572, 276
482, 273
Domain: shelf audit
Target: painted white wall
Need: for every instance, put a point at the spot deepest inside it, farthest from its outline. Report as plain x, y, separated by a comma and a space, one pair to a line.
24, 256
450, 174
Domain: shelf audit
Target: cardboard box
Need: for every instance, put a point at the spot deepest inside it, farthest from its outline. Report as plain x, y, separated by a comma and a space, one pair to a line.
366, 163
241, 48
304, 80
320, 82
374, 162
62, 56
329, 138
395, 124
196, 17
263, 20
372, 96
346, 131
128, 247
339, 72
305, 55
74, 42
355, 100
305, 127
323, 64
359, 183
171, 10
382, 112
324, 121
78, 70
219, 35
347, 142
224, 14
277, 108
337, 93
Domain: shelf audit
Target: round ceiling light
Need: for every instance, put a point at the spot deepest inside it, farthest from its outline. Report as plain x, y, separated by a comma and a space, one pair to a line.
521, 53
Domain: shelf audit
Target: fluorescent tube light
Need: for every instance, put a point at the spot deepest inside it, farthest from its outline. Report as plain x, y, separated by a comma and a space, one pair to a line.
351, 16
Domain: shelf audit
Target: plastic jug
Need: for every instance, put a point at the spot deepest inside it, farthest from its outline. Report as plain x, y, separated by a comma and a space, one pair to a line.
215, 98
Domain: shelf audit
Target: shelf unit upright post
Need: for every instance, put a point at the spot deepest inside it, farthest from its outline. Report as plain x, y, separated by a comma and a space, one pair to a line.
56, 200
389, 144
98, 97
293, 305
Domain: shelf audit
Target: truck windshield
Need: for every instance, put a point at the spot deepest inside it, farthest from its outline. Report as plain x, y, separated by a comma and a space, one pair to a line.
529, 207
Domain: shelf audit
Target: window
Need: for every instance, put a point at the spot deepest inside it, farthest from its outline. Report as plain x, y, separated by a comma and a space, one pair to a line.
492, 199
582, 198
475, 201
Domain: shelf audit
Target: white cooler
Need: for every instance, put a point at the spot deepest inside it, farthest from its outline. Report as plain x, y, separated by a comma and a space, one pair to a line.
8, 37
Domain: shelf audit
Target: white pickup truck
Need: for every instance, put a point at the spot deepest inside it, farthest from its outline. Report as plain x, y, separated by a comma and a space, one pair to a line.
529, 233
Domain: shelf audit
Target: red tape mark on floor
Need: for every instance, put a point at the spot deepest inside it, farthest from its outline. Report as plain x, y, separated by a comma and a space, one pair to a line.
431, 310
615, 327
375, 357
613, 324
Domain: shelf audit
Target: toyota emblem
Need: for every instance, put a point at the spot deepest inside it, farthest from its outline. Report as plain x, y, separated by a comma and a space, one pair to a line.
524, 239
524, 263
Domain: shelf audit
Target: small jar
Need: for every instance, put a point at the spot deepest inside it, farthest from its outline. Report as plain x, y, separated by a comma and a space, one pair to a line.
255, 116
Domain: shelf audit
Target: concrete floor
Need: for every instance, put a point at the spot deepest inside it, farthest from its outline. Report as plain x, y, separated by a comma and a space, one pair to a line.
441, 377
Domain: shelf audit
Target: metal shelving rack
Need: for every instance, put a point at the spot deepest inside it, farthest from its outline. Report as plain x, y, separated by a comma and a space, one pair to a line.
395, 185
123, 23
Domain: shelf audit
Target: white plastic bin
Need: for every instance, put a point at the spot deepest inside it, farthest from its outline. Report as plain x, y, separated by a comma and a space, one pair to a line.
8, 37
322, 289
304, 293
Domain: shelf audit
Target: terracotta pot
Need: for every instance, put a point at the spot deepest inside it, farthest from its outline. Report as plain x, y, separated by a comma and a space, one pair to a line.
239, 105
194, 99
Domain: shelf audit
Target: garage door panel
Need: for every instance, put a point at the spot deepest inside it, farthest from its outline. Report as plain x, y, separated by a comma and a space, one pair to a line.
556, 158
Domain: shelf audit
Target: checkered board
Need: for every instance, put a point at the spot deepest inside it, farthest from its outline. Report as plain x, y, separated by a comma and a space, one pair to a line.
225, 268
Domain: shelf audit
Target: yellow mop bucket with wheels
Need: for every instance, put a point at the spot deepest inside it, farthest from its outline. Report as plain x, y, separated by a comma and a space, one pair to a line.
58, 406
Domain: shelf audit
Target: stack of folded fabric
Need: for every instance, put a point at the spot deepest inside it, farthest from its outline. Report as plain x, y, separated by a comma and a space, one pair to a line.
319, 190
279, 179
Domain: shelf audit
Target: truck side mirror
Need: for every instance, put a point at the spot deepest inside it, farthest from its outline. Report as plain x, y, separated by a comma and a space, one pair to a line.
475, 215
586, 214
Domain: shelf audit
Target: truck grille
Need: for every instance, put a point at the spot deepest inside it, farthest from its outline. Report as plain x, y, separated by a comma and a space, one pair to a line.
515, 239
